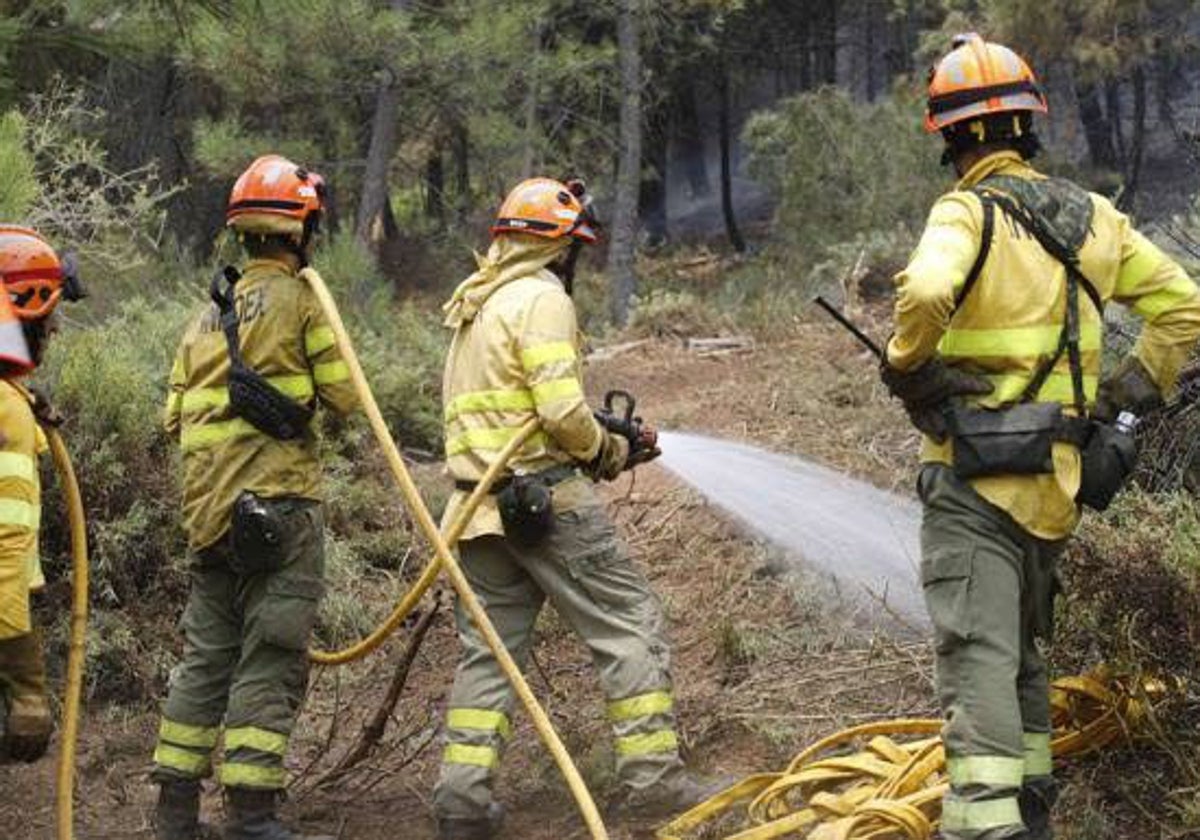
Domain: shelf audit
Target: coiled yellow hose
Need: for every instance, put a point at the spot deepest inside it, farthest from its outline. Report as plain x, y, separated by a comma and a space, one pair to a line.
893, 788
65, 789
444, 561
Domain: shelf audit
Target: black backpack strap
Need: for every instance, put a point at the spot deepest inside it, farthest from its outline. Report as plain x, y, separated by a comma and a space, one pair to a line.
985, 247
221, 292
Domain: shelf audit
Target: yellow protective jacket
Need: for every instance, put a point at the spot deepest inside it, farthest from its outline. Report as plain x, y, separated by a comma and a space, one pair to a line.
21, 441
515, 356
283, 336
1012, 318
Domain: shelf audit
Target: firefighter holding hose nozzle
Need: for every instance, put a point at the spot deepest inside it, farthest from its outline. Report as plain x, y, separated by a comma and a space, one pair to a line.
543, 533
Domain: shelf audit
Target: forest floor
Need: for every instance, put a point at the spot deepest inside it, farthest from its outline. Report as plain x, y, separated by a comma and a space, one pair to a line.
764, 660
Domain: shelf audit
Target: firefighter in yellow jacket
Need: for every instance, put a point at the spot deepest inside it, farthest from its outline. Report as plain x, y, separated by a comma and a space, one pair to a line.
249, 372
35, 280
997, 357
544, 535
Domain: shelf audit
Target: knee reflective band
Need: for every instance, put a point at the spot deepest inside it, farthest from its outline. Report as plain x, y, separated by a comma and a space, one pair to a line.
186, 735
254, 758
259, 740
1037, 754
484, 720
665, 740
185, 762
236, 774
444, 560
960, 815
989, 770
471, 754
184, 749
65, 776
641, 705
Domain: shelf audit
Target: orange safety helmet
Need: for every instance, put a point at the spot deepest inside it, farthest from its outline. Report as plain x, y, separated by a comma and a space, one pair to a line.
275, 196
34, 276
549, 208
979, 78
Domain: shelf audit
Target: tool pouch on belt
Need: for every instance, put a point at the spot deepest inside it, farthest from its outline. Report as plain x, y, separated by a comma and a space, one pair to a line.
526, 505
258, 530
251, 396
1108, 462
1010, 441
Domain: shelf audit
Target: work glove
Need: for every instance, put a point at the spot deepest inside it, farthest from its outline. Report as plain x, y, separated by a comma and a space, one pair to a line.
645, 448
23, 674
926, 392
44, 411
612, 458
1130, 387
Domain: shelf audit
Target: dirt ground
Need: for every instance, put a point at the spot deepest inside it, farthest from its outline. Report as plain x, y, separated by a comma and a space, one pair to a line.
763, 662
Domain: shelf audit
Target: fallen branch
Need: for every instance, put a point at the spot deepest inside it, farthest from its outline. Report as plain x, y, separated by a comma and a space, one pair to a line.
712, 346
372, 731
603, 353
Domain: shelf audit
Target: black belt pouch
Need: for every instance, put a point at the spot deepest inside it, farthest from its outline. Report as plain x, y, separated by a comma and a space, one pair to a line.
1009, 441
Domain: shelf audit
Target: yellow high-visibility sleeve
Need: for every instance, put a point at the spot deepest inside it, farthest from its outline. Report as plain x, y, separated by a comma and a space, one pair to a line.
926, 288
1159, 290
550, 359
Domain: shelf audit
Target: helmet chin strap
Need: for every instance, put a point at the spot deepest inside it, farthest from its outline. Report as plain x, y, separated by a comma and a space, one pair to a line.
312, 223
565, 268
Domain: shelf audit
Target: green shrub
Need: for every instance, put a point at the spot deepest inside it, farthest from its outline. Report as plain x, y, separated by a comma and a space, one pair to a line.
1132, 579
676, 314
841, 168
18, 182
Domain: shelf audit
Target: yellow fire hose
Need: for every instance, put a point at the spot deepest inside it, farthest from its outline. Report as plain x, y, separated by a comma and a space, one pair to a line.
413, 596
444, 561
894, 788
65, 790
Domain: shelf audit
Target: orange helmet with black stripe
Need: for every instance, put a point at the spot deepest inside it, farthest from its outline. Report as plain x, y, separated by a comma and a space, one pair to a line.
276, 197
548, 208
34, 276
978, 79
35, 279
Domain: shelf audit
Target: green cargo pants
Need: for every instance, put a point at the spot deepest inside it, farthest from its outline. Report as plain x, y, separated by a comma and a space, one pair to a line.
589, 578
245, 660
989, 587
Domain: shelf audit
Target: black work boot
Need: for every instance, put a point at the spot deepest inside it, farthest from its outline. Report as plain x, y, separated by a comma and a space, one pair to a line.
472, 828
177, 814
679, 791
1037, 798
250, 815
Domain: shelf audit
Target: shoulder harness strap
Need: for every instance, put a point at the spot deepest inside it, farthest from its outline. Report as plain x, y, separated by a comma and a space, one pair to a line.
985, 247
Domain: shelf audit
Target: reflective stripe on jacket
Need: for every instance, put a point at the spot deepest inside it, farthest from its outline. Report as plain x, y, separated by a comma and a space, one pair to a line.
1012, 318
21, 441
283, 336
516, 358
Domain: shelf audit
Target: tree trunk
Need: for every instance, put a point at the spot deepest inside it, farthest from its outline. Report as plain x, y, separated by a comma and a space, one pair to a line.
652, 191
622, 251
825, 46
532, 94
1133, 168
690, 138
462, 169
869, 37
1096, 129
725, 131
435, 188
370, 229
1112, 100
